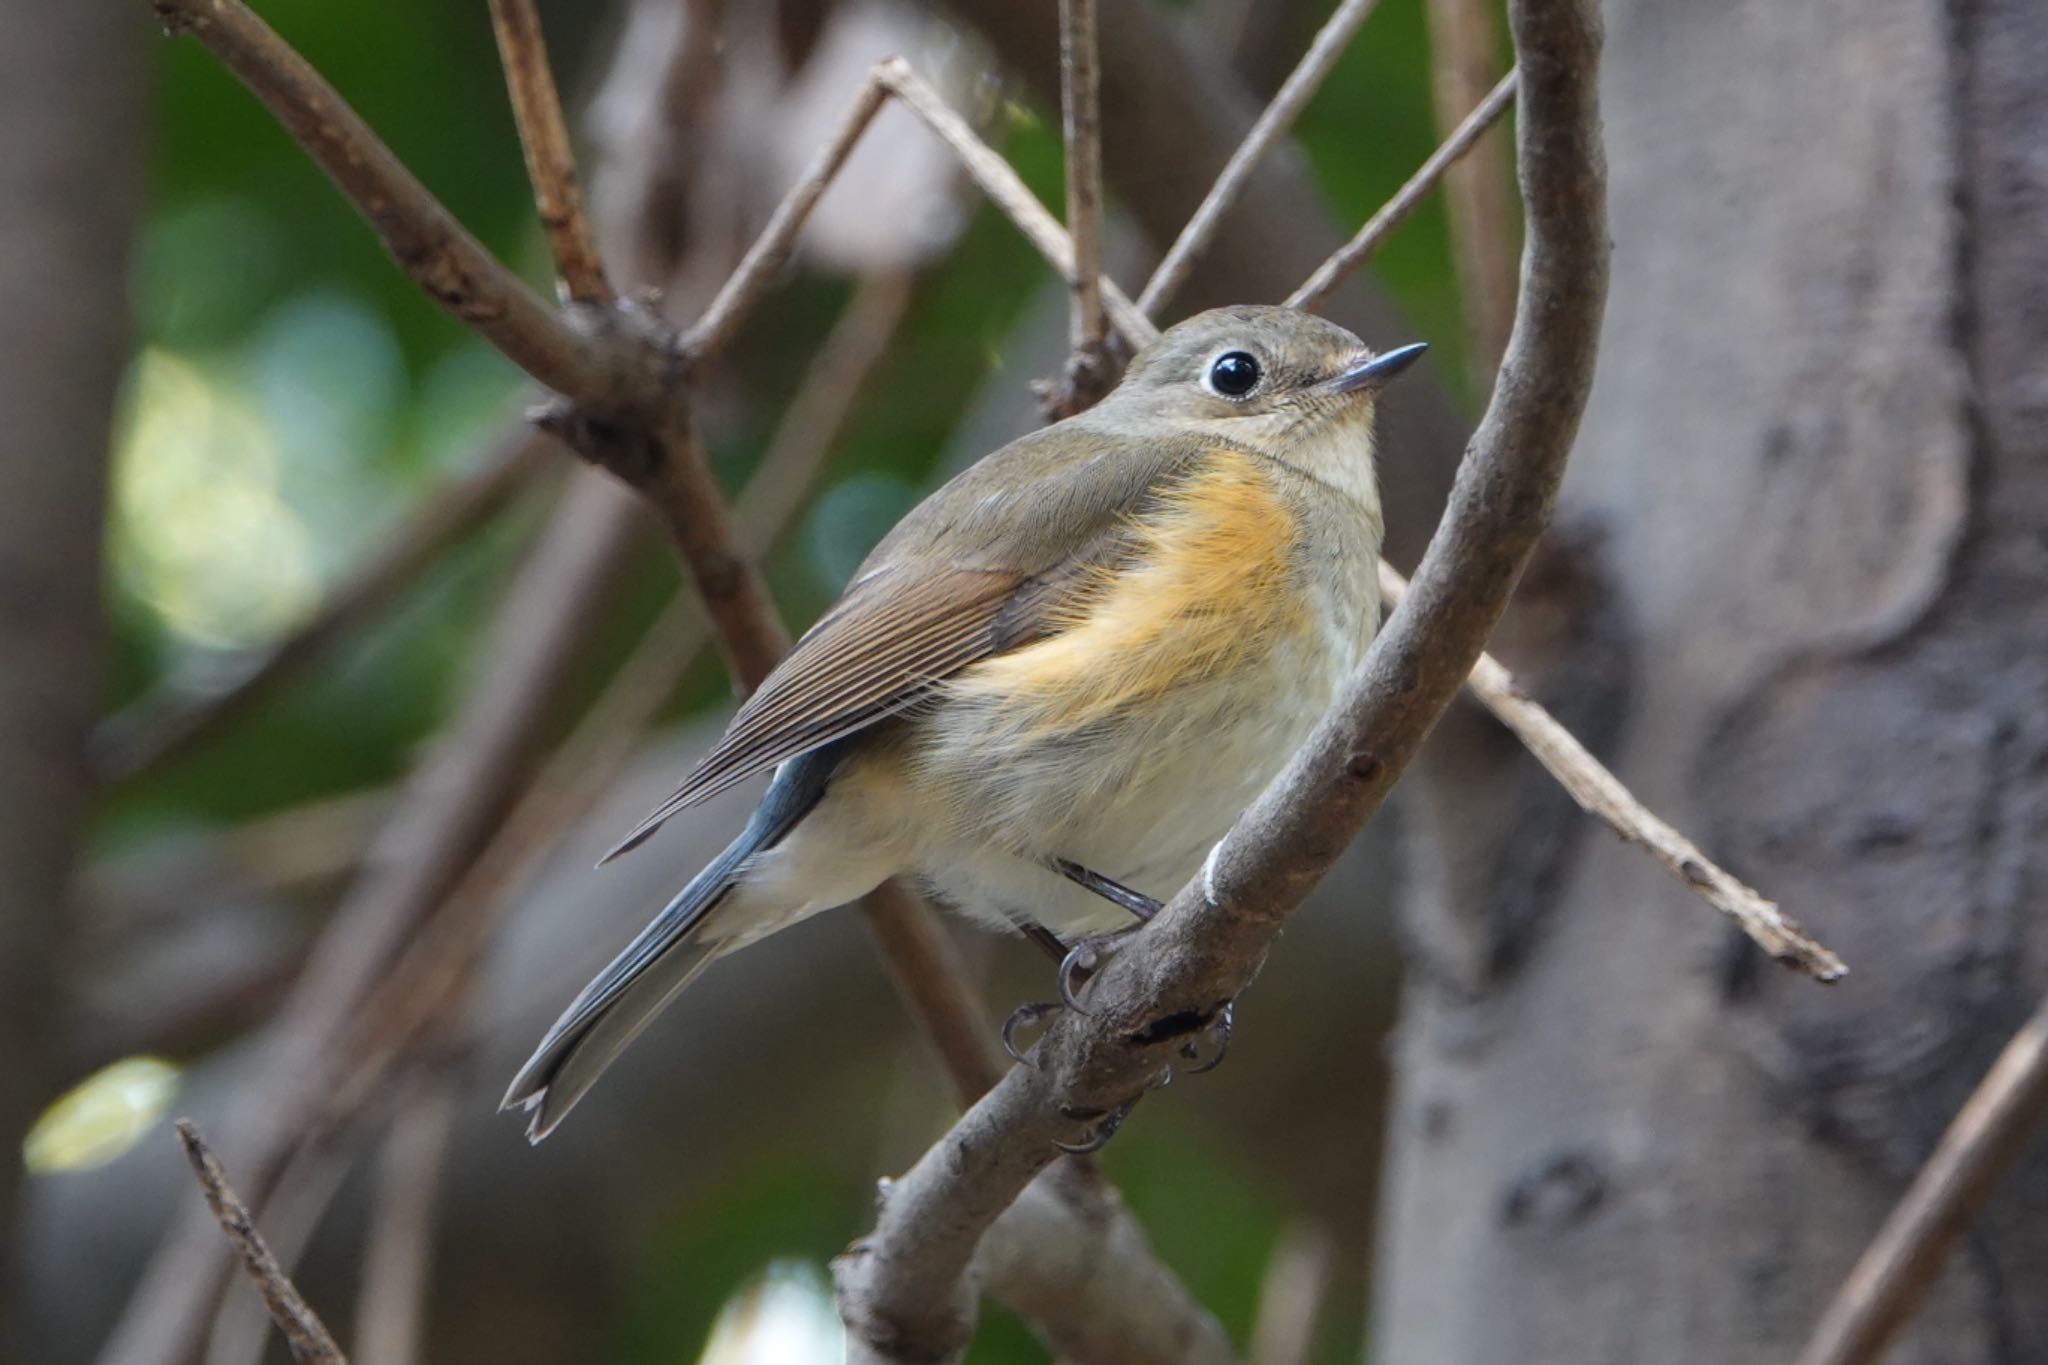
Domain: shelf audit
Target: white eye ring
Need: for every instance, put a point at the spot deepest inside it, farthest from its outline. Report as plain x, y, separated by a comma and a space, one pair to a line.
1232, 374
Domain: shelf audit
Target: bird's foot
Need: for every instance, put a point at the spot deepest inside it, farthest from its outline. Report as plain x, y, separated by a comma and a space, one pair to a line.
1217, 1034
1021, 1018
1105, 1123
1087, 957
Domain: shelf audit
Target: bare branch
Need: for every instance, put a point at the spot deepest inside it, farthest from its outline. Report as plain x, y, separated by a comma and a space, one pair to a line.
1895, 1270
1006, 191
422, 236
1396, 210
903, 1293
1601, 794
770, 252
1071, 1260
302, 1328
549, 163
1273, 124
1081, 130
170, 722
1463, 57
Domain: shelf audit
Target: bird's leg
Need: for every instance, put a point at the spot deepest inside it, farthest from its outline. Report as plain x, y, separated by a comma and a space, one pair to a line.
1140, 905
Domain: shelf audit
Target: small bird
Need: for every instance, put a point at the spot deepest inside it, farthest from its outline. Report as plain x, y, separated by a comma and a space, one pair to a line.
1053, 686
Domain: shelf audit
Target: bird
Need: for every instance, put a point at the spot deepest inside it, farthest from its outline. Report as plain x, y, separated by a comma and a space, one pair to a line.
1052, 687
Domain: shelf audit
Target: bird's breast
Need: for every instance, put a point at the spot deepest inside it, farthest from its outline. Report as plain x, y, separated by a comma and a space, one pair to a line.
1176, 684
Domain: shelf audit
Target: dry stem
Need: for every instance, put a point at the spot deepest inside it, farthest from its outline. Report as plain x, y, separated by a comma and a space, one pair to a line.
302, 1328
1353, 253
1273, 124
1081, 129
549, 163
1601, 794
1895, 1270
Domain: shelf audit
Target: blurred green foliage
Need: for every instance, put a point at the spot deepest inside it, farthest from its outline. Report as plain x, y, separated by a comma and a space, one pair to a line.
257, 281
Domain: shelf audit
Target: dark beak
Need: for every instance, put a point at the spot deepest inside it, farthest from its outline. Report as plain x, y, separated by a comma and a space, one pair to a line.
1378, 372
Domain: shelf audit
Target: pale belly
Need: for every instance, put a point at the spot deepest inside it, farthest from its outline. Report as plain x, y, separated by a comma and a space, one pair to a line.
1139, 796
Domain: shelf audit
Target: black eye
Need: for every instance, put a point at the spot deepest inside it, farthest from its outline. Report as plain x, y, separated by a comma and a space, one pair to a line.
1234, 374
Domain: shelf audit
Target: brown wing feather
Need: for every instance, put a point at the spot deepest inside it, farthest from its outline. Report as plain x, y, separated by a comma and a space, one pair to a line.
874, 653
980, 567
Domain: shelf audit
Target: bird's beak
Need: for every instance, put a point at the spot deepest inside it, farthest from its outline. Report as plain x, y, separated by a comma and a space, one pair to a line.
1379, 371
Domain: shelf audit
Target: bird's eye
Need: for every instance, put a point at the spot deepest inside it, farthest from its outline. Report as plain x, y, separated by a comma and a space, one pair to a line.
1234, 374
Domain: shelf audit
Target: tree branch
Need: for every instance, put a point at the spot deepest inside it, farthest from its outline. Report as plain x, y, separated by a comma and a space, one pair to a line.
1894, 1272
1081, 132
422, 236
302, 1328
904, 1293
549, 163
1273, 124
1601, 794
1353, 253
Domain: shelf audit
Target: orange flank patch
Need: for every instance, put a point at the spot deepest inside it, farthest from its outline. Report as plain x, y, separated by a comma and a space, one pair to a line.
1206, 588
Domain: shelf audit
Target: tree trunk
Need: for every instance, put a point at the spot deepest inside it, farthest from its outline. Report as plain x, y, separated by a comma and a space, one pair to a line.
71, 100
1810, 588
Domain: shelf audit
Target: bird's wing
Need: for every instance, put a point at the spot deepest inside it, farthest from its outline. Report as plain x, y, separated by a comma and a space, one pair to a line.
953, 584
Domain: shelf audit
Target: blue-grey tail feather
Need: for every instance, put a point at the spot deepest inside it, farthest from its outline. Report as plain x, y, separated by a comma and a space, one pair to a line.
662, 958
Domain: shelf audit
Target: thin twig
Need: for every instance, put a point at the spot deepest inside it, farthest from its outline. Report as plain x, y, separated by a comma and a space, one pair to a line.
1006, 190
1602, 795
398, 1251
903, 1293
302, 1328
1273, 124
170, 721
1463, 57
1899, 1265
1081, 130
549, 163
1353, 253
770, 252
422, 236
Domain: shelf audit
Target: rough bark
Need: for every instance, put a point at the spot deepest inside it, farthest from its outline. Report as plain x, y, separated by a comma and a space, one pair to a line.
70, 171
1811, 488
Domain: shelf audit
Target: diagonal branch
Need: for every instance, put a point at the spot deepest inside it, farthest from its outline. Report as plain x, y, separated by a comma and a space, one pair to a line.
903, 1292
1273, 124
1353, 253
1981, 1144
422, 236
549, 164
303, 1331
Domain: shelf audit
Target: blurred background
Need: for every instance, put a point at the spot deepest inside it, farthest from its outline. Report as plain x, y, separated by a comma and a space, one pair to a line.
271, 525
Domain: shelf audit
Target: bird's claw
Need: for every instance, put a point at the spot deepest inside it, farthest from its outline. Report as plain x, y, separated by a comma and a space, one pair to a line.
1023, 1017
1106, 1122
1219, 1032
1082, 962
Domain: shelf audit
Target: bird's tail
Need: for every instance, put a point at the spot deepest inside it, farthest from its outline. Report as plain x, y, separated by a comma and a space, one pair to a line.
662, 959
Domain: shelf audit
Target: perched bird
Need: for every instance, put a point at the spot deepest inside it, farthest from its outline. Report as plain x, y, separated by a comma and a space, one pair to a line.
1053, 686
